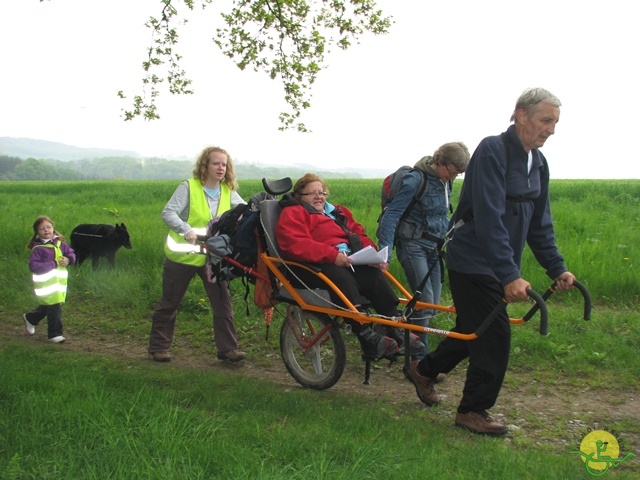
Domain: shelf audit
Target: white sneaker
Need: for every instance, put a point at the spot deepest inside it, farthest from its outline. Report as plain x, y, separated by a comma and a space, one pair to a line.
58, 339
31, 329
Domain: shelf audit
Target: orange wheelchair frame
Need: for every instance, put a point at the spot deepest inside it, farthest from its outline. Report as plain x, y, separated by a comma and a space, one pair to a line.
311, 345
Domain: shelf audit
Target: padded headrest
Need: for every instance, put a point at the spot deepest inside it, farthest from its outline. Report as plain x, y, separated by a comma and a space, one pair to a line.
277, 187
269, 214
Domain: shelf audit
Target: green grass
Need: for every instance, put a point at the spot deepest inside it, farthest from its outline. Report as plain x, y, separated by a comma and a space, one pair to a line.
595, 225
66, 415
73, 416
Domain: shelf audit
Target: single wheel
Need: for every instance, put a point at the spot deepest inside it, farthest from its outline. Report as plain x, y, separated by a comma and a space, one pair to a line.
312, 348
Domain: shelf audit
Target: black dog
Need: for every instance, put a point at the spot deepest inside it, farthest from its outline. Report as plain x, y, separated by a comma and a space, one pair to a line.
99, 240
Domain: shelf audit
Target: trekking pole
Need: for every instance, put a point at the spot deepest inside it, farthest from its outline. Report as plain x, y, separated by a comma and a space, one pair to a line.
418, 293
408, 310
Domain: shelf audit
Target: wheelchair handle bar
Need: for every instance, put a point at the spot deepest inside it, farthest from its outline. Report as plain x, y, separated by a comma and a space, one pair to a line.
583, 290
540, 305
544, 314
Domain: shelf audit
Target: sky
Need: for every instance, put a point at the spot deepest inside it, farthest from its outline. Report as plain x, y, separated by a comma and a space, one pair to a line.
446, 71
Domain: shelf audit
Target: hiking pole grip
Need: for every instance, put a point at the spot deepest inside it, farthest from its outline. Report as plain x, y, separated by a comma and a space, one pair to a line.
540, 305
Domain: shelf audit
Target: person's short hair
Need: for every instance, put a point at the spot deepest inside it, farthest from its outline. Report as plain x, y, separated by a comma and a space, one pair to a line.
305, 180
531, 98
453, 153
200, 168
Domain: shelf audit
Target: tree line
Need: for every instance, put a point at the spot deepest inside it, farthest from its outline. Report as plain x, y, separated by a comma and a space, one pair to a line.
128, 168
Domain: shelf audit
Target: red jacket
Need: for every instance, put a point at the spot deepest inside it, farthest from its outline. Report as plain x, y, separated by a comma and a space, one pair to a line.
313, 237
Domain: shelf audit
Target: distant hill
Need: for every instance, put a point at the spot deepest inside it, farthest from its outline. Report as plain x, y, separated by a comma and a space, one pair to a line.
44, 150
54, 152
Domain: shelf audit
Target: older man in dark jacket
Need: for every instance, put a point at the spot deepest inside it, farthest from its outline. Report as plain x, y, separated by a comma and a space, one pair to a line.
503, 204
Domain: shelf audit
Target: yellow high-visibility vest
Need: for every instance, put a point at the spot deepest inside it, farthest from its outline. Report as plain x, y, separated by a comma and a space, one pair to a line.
176, 248
51, 287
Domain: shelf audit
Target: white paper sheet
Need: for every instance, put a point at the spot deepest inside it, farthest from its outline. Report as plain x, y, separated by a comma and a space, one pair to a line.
369, 256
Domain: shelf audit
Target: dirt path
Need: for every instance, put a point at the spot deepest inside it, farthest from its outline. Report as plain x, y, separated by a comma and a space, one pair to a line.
555, 417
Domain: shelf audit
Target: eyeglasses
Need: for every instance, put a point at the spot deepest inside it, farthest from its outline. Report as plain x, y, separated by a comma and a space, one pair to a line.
313, 194
451, 174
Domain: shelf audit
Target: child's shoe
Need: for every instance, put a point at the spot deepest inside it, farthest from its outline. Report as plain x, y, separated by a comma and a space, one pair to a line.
31, 329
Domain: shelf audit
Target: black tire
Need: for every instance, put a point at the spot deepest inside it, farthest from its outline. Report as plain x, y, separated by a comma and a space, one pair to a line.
320, 363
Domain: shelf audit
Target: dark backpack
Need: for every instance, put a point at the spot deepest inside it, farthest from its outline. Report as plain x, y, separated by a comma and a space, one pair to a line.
245, 241
233, 235
227, 223
390, 187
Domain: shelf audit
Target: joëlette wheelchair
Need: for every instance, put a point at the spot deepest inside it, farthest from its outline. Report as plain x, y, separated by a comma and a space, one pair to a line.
311, 344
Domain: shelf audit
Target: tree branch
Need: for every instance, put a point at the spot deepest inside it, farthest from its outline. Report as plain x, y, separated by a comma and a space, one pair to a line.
285, 39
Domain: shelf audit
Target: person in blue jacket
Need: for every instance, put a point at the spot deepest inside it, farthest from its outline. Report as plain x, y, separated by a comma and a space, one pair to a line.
504, 203
418, 233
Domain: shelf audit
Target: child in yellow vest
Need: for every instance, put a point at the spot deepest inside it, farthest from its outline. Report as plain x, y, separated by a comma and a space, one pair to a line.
48, 262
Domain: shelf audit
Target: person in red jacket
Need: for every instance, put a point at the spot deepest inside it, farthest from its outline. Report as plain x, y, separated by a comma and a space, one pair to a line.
312, 230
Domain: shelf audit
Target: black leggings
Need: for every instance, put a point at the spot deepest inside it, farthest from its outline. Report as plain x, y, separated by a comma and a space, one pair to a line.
475, 296
365, 286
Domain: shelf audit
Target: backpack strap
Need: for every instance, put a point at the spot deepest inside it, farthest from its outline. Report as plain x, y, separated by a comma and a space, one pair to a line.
415, 199
418, 195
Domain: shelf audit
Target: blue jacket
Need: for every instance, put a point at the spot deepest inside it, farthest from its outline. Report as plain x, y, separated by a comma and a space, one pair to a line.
429, 215
503, 209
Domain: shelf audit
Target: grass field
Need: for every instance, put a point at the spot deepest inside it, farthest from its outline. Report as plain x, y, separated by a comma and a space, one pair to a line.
68, 413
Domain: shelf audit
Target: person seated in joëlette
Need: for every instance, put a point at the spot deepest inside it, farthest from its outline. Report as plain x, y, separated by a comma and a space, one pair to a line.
312, 230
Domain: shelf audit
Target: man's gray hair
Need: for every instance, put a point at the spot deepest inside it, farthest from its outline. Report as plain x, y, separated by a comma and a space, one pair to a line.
531, 97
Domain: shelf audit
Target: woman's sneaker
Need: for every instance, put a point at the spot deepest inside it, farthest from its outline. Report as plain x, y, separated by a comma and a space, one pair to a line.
58, 339
376, 346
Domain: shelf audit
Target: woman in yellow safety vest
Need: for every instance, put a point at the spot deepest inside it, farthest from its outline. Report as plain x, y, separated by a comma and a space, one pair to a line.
195, 202
48, 262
